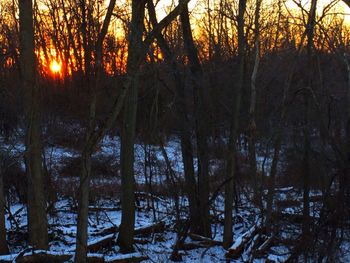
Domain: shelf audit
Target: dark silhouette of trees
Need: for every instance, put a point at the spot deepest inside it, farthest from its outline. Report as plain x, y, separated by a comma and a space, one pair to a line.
200, 99
231, 165
256, 94
37, 219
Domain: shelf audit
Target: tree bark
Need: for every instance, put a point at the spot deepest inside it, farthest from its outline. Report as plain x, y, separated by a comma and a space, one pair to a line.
135, 54
232, 147
37, 220
200, 99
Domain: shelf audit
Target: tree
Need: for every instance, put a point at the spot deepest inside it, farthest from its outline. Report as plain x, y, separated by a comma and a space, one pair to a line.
252, 124
201, 127
184, 123
95, 135
135, 54
234, 122
37, 220
83, 201
310, 27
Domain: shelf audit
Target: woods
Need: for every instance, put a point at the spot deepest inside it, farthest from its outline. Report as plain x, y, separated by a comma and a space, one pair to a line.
152, 131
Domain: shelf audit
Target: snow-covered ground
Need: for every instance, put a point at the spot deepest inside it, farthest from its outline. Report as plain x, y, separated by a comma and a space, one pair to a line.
151, 208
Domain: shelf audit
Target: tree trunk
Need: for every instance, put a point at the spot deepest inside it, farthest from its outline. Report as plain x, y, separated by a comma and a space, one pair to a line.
307, 145
83, 208
135, 54
252, 124
200, 99
3, 244
231, 162
306, 173
83, 196
95, 135
184, 123
37, 220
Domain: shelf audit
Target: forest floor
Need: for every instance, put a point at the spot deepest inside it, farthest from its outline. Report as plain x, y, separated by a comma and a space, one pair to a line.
156, 244
160, 212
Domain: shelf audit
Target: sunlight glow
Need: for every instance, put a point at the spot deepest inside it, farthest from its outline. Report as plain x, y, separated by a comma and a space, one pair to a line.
55, 67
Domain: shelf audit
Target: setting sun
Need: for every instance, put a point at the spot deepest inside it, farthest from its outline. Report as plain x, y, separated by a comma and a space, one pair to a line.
55, 67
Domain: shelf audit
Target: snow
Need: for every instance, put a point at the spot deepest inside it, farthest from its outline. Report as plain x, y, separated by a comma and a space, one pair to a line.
47, 252
97, 240
158, 247
10, 257
123, 256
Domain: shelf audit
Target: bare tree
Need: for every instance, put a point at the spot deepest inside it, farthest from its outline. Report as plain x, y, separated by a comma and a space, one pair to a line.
37, 220
199, 100
135, 54
252, 124
184, 123
234, 122
83, 200
97, 134
310, 27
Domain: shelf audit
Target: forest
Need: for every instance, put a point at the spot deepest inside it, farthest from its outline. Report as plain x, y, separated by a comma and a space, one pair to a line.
174, 131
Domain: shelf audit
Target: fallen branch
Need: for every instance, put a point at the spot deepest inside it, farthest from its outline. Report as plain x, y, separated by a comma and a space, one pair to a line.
237, 248
126, 258
205, 240
109, 240
102, 243
264, 246
95, 258
42, 256
251, 246
202, 242
107, 231
148, 230
191, 246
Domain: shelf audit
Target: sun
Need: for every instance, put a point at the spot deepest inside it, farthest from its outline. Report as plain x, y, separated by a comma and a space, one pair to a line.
55, 67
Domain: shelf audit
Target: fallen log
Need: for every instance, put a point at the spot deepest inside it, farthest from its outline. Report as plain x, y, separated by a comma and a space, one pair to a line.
107, 231
101, 243
191, 246
95, 258
251, 246
109, 240
262, 249
205, 240
126, 258
238, 246
42, 256
158, 227
201, 242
